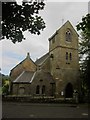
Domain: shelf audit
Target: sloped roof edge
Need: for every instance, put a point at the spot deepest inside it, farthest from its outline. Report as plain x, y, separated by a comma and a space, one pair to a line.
61, 27
21, 63
42, 59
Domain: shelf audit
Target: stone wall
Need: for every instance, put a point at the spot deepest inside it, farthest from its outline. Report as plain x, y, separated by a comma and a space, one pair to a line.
64, 70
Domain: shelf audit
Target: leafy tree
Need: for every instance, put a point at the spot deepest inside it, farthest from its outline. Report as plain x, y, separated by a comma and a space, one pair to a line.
5, 90
5, 79
84, 27
19, 18
5, 84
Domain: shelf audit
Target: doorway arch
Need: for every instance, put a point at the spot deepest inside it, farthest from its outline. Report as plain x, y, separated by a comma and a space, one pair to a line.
69, 91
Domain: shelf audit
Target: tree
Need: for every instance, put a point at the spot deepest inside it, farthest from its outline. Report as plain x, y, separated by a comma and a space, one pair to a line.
84, 27
19, 18
5, 90
5, 84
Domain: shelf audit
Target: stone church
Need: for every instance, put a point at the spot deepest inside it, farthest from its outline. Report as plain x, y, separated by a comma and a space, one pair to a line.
54, 74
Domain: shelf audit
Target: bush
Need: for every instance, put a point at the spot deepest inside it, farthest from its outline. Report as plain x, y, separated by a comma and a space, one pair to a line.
5, 89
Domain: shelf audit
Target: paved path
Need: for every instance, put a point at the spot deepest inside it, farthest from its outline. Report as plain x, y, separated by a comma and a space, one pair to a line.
36, 110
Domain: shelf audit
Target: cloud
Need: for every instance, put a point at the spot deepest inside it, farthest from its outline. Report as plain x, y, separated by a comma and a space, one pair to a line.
12, 54
31, 44
8, 63
38, 45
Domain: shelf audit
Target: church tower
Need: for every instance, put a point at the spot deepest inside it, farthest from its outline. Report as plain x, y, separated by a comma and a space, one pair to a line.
64, 60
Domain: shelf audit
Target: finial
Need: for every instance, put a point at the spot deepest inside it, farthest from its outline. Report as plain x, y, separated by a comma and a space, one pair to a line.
28, 55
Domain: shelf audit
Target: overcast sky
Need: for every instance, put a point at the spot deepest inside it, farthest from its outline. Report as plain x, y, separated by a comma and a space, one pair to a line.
52, 14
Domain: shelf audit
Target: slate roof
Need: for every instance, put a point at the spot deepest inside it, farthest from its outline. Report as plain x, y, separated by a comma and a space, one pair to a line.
27, 57
42, 59
29, 77
24, 77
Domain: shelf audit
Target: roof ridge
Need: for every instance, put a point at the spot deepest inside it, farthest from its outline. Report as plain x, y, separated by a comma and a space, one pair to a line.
23, 61
42, 56
42, 59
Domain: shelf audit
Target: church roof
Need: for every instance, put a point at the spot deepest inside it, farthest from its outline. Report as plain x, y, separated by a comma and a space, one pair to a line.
29, 77
27, 57
24, 77
41, 60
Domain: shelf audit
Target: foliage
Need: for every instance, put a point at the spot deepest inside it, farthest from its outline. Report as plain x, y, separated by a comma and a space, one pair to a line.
84, 27
5, 79
5, 89
5, 84
19, 18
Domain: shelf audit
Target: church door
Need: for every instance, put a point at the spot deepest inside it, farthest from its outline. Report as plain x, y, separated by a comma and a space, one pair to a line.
69, 91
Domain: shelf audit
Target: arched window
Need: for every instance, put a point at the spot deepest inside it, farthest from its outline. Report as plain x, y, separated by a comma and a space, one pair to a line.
43, 89
66, 55
68, 35
70, 55
37, 89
